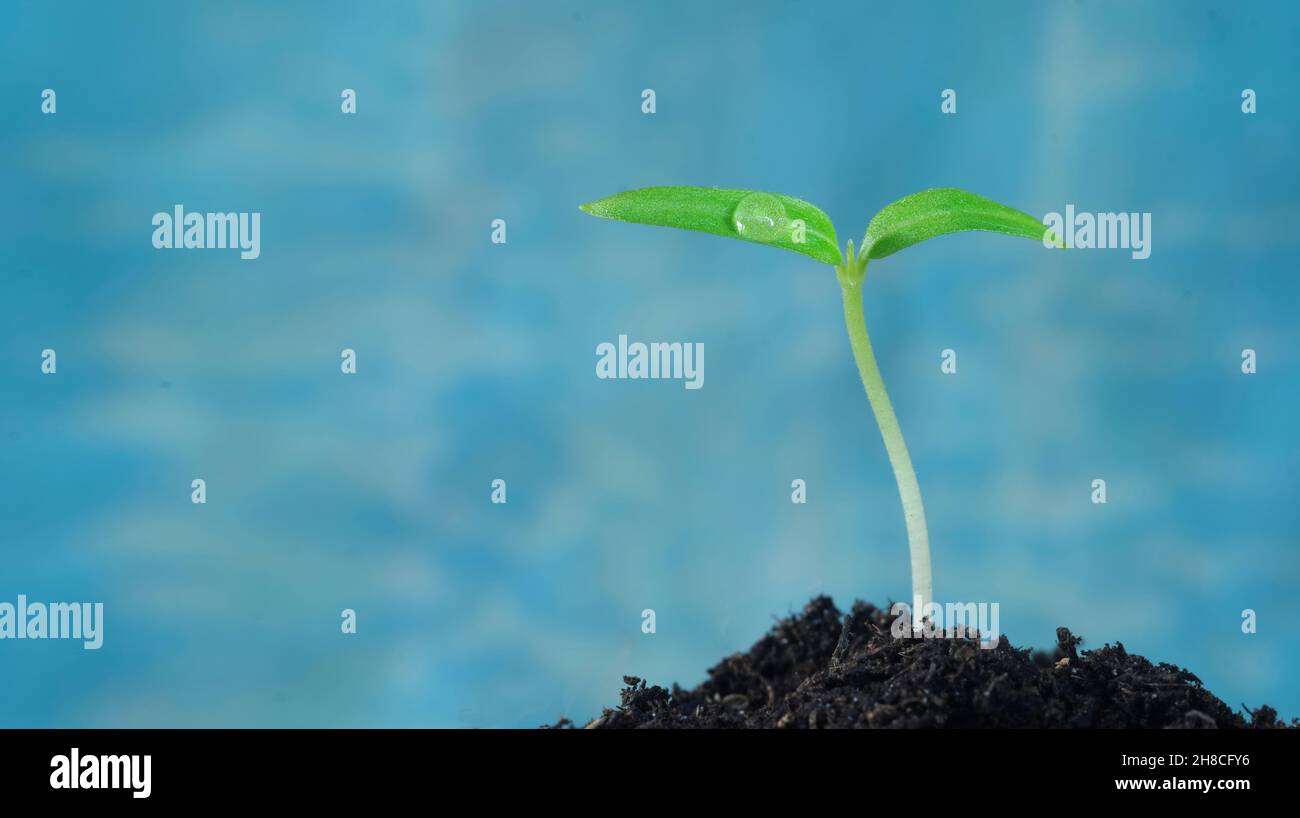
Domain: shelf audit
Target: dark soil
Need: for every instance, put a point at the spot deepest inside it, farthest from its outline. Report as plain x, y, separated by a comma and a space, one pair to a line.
821, 669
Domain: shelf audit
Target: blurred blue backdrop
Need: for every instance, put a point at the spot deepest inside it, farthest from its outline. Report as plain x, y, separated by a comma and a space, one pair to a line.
476, 360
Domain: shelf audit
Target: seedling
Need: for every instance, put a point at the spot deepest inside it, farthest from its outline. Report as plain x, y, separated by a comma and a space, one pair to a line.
793, 224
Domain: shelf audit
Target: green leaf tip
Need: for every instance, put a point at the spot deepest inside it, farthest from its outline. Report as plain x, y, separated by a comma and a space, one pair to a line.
938, 211
773, 219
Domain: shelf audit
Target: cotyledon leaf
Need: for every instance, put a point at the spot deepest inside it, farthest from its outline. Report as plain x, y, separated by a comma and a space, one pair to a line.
750, 215
937, 211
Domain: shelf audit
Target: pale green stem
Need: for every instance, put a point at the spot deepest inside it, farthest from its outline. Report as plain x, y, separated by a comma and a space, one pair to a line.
851, 276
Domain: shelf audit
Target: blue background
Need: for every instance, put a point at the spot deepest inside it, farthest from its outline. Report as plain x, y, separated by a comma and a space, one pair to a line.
476, 360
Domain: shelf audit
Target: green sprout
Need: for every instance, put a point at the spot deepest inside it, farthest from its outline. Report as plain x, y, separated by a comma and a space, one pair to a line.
793, 224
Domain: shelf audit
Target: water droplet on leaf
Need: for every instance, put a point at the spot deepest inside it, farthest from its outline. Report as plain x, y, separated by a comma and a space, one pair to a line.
760, 217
